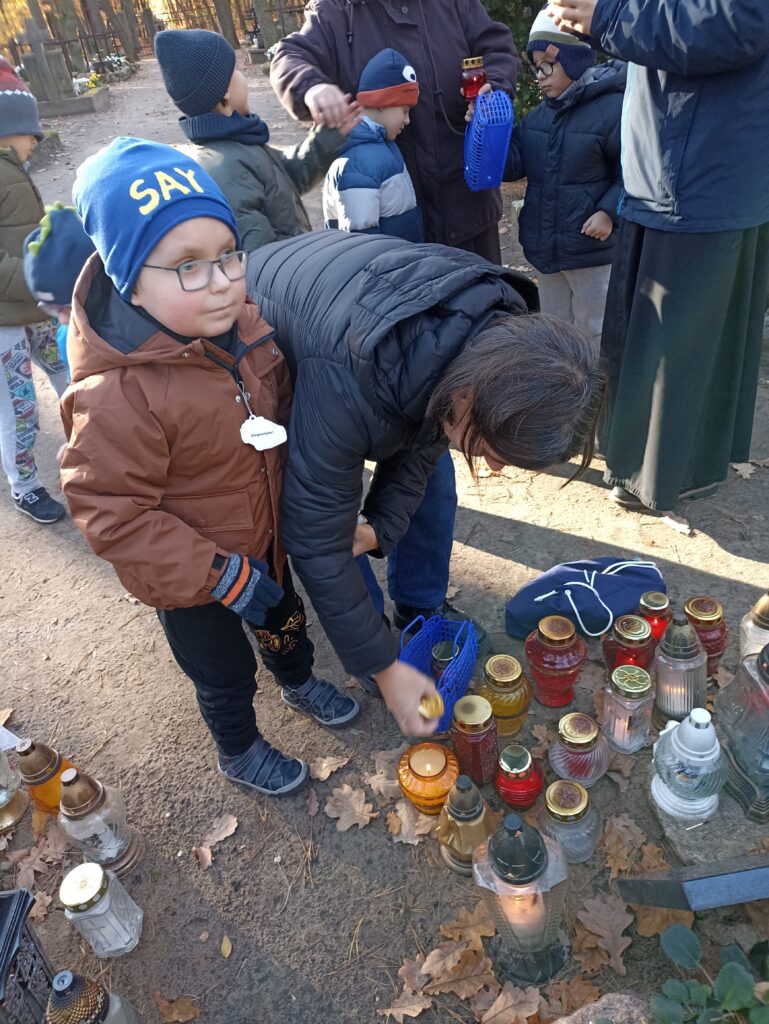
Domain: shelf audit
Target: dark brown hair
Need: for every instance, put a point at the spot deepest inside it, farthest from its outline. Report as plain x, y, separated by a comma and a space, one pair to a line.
536, 388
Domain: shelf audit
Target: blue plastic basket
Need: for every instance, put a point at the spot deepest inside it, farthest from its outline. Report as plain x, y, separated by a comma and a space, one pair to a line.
454, 681
487, 140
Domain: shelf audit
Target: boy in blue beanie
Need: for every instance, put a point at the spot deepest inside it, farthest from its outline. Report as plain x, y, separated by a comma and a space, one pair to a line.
262, 184
175, 419
368, 187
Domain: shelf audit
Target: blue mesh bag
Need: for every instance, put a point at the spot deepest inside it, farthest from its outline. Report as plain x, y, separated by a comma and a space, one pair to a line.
417, 652
487, 140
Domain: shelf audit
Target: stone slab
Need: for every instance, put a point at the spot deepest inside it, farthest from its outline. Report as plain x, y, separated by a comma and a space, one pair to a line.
728, 834
88, 103
256, 55
618, 1007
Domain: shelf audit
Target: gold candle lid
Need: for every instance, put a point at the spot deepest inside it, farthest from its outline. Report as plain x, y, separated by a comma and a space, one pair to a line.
632, 629
472, 713
80, 794
654, 601
578, 730
631, 681
704, 609
471, 62
427, 760
566, 800
83, 887
503, 670
515, 760
556, 630
37, 762
759, 613
431, 706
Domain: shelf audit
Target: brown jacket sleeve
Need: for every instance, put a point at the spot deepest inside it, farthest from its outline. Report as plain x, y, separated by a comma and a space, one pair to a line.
113, 475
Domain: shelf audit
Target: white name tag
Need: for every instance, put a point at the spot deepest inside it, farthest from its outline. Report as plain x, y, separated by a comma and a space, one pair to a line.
262, 433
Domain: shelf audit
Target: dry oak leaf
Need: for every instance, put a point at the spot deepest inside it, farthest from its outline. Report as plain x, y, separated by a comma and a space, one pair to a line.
39, 821
620, 769
481, 1002
5, 714
410, 973
222, 827
178, 1010
652, 859
408, 1004
414, 826
383, 785
31, 865
568, 995
39, 910
470, 926
350, 807
512, 1005
386, 761
585, 948
545, 736
322, 767
55, 845
442, 960
654, 920
620, 841
607, 917
472, 973
745, 470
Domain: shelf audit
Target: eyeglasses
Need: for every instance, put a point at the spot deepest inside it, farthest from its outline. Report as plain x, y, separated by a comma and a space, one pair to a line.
195, 275
544, 68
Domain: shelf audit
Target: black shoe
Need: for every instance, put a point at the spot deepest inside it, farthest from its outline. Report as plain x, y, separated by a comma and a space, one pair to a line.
404, 616
322, 701
626, 499
371, 686
264, 769
40, 506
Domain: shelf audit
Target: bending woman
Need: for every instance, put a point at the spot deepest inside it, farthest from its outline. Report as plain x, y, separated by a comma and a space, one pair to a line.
398, 350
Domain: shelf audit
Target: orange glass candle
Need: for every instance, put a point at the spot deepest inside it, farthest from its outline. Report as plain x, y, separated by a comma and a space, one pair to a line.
426, 773
41, 768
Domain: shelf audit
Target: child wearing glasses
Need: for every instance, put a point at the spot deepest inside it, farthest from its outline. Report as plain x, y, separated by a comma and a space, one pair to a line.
175, 421
568, 148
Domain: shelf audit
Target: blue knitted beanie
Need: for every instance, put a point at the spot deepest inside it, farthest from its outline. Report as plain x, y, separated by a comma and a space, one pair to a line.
197, 67
55, 253
388, 80
132, 193
574, 55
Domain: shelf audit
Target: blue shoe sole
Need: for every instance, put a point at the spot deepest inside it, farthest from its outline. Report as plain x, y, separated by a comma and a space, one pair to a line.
292, 787
339, 723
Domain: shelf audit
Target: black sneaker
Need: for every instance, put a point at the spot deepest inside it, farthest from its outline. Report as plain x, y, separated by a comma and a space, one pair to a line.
264, 769
404, 616
371, 686
323, 702
40, 506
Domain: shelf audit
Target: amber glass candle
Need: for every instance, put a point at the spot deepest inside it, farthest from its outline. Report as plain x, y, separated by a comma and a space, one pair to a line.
426, 773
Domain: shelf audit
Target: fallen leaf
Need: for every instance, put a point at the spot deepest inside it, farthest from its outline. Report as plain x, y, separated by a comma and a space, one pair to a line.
758, 912
178, 1010
226, 947
620, 769
607, 917
762, 463
39, 910
442, 960
470, 926
545, 735
5, 714
388, 788
322, 767
32, 864
481, 1002
312, 802
652, 859
413, 825
222, 827
654, 920
586, 949
678, 524
512, 1005
203, 936
204, 855
473, 972
386, 761
350, 807
408, 1004
568, 995
55, 845
39, 820
745, 470
410, 973
621, 840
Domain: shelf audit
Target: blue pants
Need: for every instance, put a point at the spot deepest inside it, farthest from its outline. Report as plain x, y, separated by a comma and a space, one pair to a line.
418, 566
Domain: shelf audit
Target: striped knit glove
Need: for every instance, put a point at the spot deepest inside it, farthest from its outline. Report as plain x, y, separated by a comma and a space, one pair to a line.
246, 588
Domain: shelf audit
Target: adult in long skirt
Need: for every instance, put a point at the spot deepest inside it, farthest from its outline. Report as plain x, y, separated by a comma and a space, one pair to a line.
683, 325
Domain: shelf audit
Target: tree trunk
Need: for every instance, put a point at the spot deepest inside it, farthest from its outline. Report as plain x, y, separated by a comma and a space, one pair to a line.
118, 25
226, 24
270, 30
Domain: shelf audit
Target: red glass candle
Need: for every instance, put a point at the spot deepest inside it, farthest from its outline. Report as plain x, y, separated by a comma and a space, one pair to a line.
556, 656
474, 734
473, 77
629, 642
520, 778
655, 608
707, 617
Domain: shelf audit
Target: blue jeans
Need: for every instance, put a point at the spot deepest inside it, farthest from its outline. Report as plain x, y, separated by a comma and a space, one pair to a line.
418, 566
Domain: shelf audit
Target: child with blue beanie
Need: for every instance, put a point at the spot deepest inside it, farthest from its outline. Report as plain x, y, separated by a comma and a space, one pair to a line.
368, 188
176, 424
263, 184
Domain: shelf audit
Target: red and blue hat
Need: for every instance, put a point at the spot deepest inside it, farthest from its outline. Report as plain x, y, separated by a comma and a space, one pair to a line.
18, 107
388, 80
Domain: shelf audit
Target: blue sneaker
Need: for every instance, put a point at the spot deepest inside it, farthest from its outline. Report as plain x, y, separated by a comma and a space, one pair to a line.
264, 769
320, 700
40, 506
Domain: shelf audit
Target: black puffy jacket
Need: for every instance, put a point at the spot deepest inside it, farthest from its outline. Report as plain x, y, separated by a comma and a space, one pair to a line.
569, 149
367, 324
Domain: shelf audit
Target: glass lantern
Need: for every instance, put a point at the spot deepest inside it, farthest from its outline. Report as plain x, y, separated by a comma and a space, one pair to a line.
628, 642
689, 768
743, 721
522, 878
426, 773
464, 823
520, 778
556, 656
97, 906
707, 617
13, 799
474, 735
570, 819
627, 709
754, 628
76, 998
41, 767
579, 752
93, 816
508, 691
654, 606
680, 665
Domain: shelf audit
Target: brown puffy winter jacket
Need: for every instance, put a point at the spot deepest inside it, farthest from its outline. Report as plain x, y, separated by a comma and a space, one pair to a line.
155, 473
20, 211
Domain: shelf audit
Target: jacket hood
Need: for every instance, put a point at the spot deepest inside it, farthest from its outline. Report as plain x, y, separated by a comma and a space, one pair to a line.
364, 133
106, 332
598, 80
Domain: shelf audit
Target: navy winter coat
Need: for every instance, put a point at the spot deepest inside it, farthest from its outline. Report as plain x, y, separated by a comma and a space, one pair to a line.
696, 118
367, 325
569, 149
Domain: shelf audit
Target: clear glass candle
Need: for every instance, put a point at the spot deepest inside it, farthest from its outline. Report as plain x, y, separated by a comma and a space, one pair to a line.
97, 906
627, 709
754, 628
680, 667
93, 816
508, 691
742, 710
570, 819
13, 799
579, 752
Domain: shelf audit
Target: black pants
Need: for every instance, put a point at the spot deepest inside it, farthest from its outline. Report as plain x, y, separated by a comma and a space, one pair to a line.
211, 647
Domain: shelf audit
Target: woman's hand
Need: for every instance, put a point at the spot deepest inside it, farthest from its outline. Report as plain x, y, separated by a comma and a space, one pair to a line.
402, 688
572, 15
599, 226
364, 539
471, 106
328, 105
